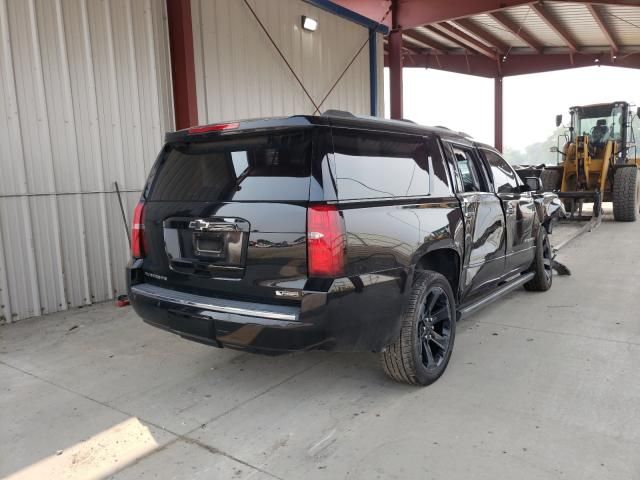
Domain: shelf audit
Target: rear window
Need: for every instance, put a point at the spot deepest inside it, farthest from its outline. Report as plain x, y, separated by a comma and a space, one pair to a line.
269, 167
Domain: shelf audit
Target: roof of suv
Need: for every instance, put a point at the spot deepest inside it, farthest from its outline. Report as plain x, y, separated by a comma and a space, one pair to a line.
331, 118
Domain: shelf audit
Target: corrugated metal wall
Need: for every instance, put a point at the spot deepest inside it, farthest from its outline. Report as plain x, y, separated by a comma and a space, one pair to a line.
85, 99
233, 54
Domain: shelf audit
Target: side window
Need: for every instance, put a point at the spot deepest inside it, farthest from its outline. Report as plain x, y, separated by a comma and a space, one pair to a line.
467, 168
371, 166
504, 178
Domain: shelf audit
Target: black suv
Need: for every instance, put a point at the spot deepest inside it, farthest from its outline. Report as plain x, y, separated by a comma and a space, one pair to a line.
333, 232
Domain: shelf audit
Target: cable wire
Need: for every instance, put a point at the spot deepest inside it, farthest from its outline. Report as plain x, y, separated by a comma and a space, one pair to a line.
264, 29
370, 37
316, 106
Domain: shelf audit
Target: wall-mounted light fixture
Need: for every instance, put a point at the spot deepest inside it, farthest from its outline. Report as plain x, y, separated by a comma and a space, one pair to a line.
309, 23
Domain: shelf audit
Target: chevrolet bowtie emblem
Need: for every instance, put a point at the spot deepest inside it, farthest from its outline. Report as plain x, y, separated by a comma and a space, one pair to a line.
206, 226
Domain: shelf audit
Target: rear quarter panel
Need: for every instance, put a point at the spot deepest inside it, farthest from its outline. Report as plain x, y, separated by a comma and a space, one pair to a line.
384, 242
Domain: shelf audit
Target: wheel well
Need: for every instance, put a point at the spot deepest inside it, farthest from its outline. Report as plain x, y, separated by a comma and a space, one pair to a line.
444, 261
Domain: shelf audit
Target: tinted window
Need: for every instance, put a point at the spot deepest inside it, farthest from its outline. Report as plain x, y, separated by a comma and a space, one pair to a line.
273, 167
504, 178
380, 166
467, 168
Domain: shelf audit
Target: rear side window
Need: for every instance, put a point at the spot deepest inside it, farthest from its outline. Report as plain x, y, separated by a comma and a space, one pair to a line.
468, 169
369, 166
269, 167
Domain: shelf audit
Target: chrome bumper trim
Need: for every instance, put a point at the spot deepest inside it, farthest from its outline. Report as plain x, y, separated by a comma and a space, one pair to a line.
249, 309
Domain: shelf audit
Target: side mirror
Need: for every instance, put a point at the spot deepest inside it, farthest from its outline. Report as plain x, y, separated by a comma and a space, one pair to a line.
533, 184
558, 120
554, 149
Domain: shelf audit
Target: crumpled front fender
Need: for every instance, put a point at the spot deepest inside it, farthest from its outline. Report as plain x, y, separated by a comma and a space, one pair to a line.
550, 209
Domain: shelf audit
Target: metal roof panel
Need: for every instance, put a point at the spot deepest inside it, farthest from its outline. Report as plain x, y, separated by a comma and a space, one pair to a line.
624, 22
578, 22
487, 23
529, 20
437, 38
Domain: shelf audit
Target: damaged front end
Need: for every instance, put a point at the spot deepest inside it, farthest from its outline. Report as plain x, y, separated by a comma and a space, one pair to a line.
550, 209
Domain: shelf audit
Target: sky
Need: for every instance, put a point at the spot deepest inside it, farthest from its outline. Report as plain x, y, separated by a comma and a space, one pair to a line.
531, 102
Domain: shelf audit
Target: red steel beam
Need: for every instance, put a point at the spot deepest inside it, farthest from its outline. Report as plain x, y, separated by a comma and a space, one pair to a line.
482, 34
182, 63
464, 40
517, 64
517, 30
478, 65
373, 9
554, 25
604, 27
498, 110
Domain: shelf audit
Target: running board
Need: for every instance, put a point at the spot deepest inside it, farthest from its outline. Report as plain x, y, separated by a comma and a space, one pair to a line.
484, 301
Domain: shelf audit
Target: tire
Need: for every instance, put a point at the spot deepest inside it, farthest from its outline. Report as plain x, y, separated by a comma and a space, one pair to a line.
542, 264
551, 179
421, 353
626, 194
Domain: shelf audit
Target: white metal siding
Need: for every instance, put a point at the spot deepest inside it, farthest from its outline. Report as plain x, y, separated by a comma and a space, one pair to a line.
239, 74
85, 99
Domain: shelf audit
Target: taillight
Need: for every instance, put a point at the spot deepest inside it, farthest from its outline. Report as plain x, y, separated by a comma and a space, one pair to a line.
218, 127
137, 232
325, 241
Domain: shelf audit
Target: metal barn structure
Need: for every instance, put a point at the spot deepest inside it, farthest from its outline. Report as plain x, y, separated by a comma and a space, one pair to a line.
502, 38
89, 87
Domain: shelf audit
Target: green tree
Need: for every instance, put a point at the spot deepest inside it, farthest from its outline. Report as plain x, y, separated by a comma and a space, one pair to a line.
537, 153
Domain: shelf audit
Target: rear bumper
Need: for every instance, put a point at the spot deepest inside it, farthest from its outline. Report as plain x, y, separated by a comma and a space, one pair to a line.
234, 324
363, 319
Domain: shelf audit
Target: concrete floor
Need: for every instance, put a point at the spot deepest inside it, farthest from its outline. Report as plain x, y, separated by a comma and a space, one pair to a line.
540, 386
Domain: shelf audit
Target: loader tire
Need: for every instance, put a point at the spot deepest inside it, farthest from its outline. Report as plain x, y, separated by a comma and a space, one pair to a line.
429, 322
626, 194
542, 264
551, 179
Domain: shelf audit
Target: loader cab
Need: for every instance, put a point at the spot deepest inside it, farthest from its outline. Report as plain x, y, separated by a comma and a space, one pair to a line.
602, 123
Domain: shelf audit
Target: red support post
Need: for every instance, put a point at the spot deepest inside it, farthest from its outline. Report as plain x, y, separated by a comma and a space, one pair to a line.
498, 113
182, 63
395, 64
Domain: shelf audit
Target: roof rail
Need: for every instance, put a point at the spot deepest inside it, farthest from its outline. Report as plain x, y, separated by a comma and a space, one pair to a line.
337, 113
462, 134
344, 113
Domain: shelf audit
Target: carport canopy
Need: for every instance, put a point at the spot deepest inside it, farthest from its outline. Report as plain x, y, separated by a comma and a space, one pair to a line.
501, 38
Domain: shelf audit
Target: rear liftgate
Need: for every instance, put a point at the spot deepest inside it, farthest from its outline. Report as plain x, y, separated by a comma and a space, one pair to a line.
211, 248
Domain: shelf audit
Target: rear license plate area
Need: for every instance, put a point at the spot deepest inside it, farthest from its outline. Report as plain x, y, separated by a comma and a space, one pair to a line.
213, 247
191, 325
208, 244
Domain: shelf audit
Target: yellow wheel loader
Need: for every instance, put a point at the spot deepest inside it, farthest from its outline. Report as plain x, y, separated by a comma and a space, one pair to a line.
598, 162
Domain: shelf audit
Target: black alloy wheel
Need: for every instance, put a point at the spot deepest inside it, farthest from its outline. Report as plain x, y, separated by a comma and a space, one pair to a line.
421, 352
434, 328
547, 258
542, 264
